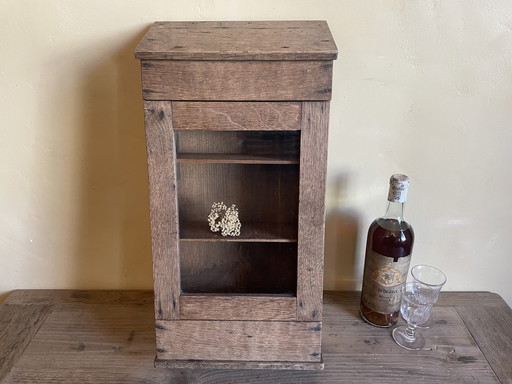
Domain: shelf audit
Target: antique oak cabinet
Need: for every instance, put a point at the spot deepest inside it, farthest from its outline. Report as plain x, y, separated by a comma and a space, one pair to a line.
237, 112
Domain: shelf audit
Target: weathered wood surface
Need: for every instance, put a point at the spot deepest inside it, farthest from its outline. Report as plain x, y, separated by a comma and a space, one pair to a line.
231, 365
262, 194
243, 116
254, 341
18, 325
236, 80
234, 307
491, 327
273, 74
109, 337
163, 208
250, 232
238, 40
238, 267
313, 168
221, 158
277, 143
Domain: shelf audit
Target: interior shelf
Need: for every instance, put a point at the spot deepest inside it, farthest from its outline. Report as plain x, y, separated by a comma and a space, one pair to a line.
250, 232
235, 158
239, 294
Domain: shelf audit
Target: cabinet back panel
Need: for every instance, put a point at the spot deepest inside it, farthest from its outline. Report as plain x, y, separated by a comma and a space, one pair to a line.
277, 143
262, 193
225, 267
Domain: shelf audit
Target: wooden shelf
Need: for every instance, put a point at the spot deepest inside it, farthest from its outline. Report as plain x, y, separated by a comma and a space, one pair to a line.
234, 158
235, 296
250, 232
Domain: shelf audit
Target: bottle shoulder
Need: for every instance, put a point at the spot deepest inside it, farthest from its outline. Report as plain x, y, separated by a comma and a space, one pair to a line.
393, 225
390, 237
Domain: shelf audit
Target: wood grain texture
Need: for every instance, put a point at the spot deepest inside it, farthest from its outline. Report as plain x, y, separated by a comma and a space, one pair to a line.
313, 168
109, 337
264, 308
82, 342
238, 40
450, 355
163, 208
447, 299
220, 158
18, 325
243, 116
231, 365
262, 193
238, 340
76, 297
464, 299
236, 80
235, 93
250, 232
238, 267
279, 147
491, 327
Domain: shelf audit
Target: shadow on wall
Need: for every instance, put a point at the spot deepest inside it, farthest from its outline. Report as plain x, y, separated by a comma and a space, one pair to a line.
113, 245
341, 236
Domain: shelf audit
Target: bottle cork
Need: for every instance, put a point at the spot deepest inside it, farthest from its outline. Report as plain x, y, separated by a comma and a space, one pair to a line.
398, 186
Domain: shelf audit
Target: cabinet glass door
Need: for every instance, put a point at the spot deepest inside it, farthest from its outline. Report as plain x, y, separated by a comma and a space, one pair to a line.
259, 173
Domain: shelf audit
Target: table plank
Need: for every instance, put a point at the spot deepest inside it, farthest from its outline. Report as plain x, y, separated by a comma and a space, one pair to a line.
491, 327
18, 325
108, 337
70, 296
450, 355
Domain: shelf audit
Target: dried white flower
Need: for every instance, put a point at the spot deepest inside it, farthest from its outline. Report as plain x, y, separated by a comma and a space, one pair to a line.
224, 219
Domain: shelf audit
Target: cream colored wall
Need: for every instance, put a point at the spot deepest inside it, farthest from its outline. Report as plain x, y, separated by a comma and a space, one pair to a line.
420, 87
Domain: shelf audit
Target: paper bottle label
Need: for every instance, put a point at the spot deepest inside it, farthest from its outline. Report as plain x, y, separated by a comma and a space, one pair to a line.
382, 282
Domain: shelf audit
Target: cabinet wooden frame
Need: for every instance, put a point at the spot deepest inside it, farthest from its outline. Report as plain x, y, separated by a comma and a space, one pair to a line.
227, 322
164, 210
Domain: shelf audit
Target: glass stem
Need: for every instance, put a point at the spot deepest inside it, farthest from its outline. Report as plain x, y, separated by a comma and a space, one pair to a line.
410, 332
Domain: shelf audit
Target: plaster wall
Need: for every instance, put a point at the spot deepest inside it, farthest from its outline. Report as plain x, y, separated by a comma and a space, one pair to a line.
420, 87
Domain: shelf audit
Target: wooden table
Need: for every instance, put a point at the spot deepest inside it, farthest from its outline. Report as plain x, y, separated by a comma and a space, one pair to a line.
55, 336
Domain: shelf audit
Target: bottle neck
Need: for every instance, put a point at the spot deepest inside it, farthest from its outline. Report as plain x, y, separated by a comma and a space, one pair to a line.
395, 211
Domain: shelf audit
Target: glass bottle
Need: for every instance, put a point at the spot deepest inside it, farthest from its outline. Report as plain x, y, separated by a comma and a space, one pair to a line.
388, 255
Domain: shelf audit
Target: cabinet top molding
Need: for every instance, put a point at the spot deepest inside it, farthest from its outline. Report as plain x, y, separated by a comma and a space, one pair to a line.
238, 40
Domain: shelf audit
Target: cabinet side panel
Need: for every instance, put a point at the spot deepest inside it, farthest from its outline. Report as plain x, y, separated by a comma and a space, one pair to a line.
238, 340
236, 80
313, 162
163, 208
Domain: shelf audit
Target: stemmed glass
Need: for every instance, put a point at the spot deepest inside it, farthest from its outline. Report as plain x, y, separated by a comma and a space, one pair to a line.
417, 301
432, 277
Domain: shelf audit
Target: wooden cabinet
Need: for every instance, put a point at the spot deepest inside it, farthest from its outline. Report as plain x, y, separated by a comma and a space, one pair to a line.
237, 112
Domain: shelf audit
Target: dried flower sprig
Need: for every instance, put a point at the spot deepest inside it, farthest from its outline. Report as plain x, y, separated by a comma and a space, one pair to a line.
224, 219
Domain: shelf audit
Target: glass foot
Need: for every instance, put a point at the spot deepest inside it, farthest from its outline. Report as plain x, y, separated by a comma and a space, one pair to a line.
406, 340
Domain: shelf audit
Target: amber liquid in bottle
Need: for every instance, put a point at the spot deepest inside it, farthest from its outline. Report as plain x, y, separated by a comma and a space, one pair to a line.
393, 238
